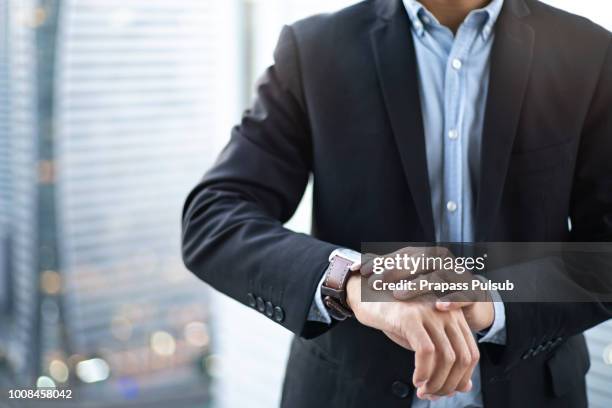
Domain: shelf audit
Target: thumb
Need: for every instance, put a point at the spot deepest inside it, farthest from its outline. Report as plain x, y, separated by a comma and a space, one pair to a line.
453, 301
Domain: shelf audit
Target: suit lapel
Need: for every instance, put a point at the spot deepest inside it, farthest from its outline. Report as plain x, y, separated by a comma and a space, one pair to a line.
397, 73
510, 66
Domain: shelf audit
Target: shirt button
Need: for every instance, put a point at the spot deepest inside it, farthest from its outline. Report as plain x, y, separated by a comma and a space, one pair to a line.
451, 206
400, 389
251, 300
426, 20
457, 64
453, 134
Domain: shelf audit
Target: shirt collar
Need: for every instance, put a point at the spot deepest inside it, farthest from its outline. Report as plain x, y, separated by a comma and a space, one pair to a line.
420, 16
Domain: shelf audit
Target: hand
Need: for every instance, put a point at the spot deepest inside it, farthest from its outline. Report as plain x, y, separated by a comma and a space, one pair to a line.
367, 268
445, 351
479, 315
476, 304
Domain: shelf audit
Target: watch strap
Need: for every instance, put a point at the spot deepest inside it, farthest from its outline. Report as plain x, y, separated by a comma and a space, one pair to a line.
333, 289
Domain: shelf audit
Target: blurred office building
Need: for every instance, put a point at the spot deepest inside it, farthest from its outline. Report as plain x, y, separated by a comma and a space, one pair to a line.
104, 105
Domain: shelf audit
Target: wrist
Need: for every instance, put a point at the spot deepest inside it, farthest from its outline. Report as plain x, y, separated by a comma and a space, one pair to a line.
334, 287
484, 316
353, 292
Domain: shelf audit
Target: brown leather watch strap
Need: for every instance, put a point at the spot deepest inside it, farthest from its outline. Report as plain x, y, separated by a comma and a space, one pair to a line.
333, 289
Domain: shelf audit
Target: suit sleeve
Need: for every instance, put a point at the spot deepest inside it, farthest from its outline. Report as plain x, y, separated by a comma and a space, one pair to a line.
233, 234
535, 325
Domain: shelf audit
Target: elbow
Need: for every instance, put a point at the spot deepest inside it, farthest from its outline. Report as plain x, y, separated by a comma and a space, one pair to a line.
193, 234
206, 227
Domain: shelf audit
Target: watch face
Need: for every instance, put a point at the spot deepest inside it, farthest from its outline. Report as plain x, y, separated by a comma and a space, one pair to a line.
349, 254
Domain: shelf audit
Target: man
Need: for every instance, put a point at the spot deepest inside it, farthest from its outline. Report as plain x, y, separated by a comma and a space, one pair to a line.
430, 121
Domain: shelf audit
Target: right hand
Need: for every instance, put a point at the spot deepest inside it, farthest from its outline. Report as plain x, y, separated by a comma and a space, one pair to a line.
445, 350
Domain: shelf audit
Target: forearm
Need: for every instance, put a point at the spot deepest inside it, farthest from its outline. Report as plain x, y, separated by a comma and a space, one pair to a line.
238, 249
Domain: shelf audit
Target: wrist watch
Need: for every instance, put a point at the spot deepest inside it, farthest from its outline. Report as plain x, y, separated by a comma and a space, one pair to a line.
337, 275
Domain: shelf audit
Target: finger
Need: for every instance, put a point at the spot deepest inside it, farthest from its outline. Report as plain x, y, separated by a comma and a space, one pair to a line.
443, 305
465, 385
431, 256
366, 267
453, 301
420, 288
396, 275
424, 357
444, 361
463, 360
411, 269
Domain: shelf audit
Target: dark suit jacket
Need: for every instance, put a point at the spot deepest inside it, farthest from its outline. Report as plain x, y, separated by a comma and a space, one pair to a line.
341, 103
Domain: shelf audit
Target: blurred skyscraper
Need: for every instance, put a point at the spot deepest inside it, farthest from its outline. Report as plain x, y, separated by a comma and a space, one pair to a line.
18, 193
105, 107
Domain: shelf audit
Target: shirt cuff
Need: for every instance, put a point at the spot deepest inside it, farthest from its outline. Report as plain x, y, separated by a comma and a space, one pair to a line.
318, 312
497, 332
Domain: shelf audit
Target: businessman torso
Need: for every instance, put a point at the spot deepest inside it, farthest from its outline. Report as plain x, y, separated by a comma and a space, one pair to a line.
348, 82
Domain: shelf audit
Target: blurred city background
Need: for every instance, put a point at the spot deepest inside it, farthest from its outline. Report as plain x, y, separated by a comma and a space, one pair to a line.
110, 110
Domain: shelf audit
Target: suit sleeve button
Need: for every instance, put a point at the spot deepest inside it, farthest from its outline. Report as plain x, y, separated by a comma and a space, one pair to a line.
400, 389
261, 306
269, 309
251, 300
279, 314
527, 354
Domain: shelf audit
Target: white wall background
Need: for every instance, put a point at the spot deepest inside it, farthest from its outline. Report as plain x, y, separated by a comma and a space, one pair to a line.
600, 11
252, 350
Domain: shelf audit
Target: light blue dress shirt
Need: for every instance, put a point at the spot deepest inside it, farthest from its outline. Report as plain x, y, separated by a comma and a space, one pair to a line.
453, 78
